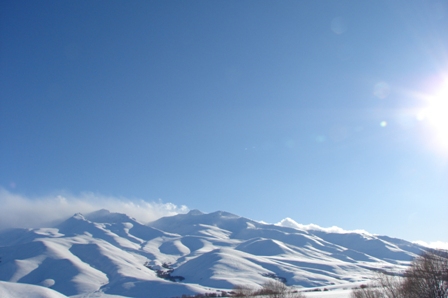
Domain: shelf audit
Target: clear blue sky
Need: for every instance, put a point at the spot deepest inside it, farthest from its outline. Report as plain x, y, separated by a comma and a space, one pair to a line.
267, 109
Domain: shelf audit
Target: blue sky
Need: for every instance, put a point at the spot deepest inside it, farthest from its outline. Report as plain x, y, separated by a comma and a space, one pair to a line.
313, 110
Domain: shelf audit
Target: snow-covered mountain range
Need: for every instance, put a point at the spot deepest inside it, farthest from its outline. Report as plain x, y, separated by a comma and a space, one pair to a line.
106, 253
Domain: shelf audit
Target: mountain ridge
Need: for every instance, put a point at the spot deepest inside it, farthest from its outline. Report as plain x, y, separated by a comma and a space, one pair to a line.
196, 252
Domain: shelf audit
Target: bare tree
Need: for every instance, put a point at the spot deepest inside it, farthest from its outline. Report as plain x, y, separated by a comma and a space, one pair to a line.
427, 276
384, 286
367, 292
277, 289
274, 289
243, 291
391, 286
294, 294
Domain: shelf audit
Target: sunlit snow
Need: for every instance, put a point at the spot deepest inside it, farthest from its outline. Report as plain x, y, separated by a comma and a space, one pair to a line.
104, 253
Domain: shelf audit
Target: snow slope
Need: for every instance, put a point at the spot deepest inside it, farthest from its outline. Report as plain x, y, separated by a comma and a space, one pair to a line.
105, 253
15, 290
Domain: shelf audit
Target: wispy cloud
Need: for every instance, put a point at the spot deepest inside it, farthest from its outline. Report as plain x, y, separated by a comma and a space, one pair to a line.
434, 244
290, 223
18, 211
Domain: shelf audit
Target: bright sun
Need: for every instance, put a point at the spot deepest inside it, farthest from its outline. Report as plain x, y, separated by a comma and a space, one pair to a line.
436, 114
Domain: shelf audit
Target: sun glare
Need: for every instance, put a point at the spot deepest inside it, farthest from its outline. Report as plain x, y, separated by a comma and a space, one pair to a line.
436, 114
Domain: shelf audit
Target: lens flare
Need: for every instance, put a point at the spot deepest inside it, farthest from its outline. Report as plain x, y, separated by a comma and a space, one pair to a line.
436, 114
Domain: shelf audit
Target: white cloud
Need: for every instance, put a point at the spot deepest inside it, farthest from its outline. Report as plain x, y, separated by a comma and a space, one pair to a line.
17, 211
290, 223
434, 244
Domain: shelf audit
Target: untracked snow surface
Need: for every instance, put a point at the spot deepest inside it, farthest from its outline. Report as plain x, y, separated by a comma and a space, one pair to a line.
15, 290
105, 254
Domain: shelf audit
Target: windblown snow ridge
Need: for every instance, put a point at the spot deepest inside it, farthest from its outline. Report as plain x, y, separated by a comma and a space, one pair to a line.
112, 253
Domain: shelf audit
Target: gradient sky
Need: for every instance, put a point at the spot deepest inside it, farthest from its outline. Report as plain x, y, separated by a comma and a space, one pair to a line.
313, 110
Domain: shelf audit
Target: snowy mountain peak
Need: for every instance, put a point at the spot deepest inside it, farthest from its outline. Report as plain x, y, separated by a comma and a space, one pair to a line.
105, 216
224, 214
99, 213
78, 216
106, 252
195, 212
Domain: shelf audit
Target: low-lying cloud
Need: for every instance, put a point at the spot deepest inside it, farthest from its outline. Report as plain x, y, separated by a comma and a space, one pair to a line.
434, 244
290, 223
18, 211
